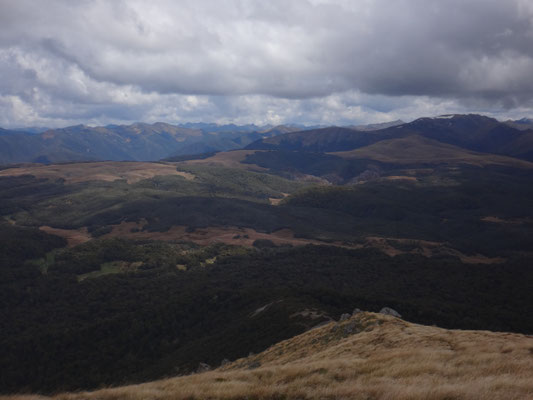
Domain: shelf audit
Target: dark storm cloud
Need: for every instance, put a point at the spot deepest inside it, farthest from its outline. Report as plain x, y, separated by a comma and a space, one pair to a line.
179, 59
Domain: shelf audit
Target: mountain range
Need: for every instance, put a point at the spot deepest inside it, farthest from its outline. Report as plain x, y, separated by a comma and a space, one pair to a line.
136, 142
471, 132
152, 142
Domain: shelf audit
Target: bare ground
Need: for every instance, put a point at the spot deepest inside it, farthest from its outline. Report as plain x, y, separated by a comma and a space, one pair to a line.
210, 235
400, 178
246, 237
73, 237
512, 221
275, 201
426, 249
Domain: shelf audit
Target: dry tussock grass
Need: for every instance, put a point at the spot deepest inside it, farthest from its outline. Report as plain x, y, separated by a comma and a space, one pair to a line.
369, 356
419, 149
109, 171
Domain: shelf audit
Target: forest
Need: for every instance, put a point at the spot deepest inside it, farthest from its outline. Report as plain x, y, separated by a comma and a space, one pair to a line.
168, 307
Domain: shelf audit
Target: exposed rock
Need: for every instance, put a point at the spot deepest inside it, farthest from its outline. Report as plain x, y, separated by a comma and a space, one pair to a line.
356, 311
390, 311
311, 314
203, 367
260, 310
365, 176
224, 362
344, 317
350, 328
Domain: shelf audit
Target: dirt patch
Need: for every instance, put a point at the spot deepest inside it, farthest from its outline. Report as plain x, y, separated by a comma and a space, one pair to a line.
395, 246
275, 201
73, 237
511, 221
247, 236
400, 177
98, 171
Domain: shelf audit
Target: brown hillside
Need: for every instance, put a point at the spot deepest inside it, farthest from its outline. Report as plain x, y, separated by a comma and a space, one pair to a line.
368, 356
417, 149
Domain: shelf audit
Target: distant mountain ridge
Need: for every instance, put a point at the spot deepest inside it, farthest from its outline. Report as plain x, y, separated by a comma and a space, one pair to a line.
375, 127
522, 124
152, 142
471, 132
136, 142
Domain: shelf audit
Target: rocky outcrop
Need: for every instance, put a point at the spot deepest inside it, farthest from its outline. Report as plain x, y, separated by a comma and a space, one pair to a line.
344, 317
390, 311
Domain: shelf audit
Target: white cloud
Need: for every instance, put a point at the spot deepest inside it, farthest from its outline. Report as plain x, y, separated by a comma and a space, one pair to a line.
277, 61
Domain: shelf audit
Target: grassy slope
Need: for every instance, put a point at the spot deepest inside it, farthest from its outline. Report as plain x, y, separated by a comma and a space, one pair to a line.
417, 149
63, 200
369, 356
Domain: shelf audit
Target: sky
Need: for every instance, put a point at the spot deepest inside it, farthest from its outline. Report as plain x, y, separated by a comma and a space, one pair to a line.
323, 62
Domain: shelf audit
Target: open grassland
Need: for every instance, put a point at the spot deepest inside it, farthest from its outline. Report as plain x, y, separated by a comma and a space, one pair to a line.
98, 171
417, 149
369, 356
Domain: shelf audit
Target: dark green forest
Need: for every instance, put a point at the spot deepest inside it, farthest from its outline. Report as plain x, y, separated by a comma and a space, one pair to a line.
61, 332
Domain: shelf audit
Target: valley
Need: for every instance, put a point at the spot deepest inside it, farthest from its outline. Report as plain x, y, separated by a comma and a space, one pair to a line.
123, 272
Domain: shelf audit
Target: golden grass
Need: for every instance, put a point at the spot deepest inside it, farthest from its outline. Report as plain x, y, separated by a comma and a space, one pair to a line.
98, 171
417, 149
369, 356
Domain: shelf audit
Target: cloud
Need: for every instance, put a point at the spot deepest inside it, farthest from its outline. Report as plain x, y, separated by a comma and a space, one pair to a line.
95, 60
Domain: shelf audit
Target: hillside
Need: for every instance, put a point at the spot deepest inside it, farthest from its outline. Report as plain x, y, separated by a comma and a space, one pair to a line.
471, 132
416, 149
319, 140
367, 356
523, 124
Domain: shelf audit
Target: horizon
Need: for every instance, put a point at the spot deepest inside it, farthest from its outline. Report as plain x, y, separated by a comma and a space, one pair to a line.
267, 126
